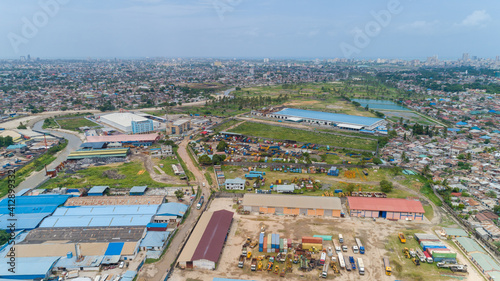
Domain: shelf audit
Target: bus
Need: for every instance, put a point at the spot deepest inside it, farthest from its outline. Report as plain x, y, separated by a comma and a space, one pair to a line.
360, 246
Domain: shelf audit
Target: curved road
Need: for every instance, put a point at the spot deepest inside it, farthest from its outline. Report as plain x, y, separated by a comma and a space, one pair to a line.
36, 178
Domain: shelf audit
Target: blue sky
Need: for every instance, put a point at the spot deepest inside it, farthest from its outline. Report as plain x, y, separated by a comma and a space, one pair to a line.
249, 28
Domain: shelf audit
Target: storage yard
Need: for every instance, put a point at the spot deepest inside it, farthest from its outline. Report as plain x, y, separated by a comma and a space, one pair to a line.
379, 239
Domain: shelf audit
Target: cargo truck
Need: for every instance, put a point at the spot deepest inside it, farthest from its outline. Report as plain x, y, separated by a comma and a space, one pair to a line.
337, 247
200, 203
341, 238
322, 259
352, 262
428, 257
324, 274
241, 261
361, 266
253, 265
453, 267
341, 260
421, 255
355, 249
360, 246
347, 265
344, 248
387, 265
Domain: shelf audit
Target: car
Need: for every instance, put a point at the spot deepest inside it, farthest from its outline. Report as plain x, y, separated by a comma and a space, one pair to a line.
122, 264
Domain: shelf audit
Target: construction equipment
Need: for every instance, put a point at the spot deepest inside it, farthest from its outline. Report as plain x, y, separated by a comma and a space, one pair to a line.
241, 261
282, 274
453, 267
253, 265
402, 237
296, 259
259, 266
406, 252
333, 265
276, 269
249, 255
269, 266
416, 261
387, 265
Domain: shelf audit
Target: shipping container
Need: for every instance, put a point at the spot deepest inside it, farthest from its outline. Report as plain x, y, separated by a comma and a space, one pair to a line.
309, 246
316, 240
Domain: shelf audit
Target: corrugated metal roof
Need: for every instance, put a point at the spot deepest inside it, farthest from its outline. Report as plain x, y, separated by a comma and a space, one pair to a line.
24, 221
155, 239
385, 204
114, 249
332, 117
40, 200
214, 236
98, 221
292, 201
455, 231
470, 245
124, 138
195, 237
172, 209
485, 262
106, 210
27, 268
98, 189
138, 189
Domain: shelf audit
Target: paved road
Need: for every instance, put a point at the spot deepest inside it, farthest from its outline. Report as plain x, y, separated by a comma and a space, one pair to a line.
158, 271
74, 143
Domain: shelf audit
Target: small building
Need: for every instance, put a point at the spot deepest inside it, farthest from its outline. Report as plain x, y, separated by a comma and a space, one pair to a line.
333, 171
98, 190
279, 204
20, 147
138, 190
171, 212
153, 226
454, 232
178, 170
178, 127
32, 268
235, 184
155, 241
389, 208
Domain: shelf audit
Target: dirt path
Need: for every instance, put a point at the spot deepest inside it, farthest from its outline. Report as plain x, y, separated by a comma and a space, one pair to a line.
148, 164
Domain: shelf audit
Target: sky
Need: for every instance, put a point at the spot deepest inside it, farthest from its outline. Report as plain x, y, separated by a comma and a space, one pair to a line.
406, 29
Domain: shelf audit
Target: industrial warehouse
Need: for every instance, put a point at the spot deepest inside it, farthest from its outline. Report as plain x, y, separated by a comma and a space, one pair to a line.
342, 121
129, 123
388, 208
292, 205
205, 245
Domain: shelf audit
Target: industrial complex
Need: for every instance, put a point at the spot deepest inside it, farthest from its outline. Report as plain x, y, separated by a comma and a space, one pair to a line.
342, 121
292, 205
389, 208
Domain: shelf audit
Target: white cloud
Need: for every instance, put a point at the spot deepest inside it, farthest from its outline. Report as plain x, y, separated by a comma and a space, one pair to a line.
419, 25
477, 18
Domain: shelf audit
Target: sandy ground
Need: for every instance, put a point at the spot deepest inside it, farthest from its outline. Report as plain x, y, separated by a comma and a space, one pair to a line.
148, 164
374, 235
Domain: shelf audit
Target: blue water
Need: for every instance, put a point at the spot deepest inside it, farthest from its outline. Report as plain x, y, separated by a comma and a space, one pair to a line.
380, 104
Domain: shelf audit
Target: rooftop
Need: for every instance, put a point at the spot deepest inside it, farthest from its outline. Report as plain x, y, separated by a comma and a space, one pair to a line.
81, 235
485, 262
172, 209
332, 117
98, 221
155, 239
115, 200
138, 189
292, 201
123, 119
125, 138
214, 236
470, 245
98, 189
455, 232
385, 204
27, 268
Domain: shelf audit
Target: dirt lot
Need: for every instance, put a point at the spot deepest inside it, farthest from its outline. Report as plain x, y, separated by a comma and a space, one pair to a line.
375, 235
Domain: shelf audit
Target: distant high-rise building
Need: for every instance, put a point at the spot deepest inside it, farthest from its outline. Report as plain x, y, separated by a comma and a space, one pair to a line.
22, 58
497, 58
474, 57
29, 57
465, 57
266, 60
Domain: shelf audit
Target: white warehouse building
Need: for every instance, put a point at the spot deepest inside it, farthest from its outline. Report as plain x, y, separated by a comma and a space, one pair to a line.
129, 123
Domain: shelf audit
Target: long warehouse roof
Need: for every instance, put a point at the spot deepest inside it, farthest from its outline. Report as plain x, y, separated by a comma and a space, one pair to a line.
98, 221
106, 210
213, 238
124, 138
332, 117
292, 201
385, 204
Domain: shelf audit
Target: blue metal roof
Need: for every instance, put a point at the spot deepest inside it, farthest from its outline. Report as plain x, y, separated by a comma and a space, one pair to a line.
114, 249
138, 189
172, 209
155, 239
24, 221
106, 210
94, 145
155, 224
461, 123
98, 189
30, 209
331, 117
22, 192
44, 200
236, 180
97, 221
129, 275
27, 268
15, 146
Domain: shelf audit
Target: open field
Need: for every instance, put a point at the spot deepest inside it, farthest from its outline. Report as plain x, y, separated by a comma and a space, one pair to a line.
281, 133
130, 174
75, 123
377, 237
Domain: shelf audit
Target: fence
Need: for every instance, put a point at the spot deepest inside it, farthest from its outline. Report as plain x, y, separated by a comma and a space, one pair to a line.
295, 165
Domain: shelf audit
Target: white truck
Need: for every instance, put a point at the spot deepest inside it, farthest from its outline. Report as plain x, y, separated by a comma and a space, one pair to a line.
355, 249
341, 260
324, 274
337, 246
341, 238
361, 266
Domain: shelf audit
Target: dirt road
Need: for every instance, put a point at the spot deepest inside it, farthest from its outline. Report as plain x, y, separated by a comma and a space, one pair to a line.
148, 164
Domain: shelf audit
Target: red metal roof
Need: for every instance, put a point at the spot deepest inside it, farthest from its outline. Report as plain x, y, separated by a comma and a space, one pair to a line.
124, 138
210, 245
385, 204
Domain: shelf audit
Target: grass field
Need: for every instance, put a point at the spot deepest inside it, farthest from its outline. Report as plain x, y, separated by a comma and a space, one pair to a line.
74, 124
94, 176
281, 133
404, 268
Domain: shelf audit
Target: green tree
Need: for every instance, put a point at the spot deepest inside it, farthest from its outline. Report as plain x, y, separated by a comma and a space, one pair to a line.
179, 194
21, 126
491, 194
218, 158
350, 187
496, 209
205, 160
221, 146
4, 237
377, 161
386, 186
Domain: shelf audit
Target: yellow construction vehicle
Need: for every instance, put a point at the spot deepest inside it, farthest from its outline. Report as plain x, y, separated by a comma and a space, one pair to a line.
249, 254
406, 252
259, 266
402, 237
269, 266
276, 269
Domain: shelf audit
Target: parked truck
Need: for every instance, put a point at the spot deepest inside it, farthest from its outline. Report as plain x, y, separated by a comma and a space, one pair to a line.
200, 203
253, 265
322, 259
421, 255
387, 265
428, 257
337, 246
241, 261
352, 262
360, 246
355, 249
453, 267
361, 266
341, 238
341, 260
324, 274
